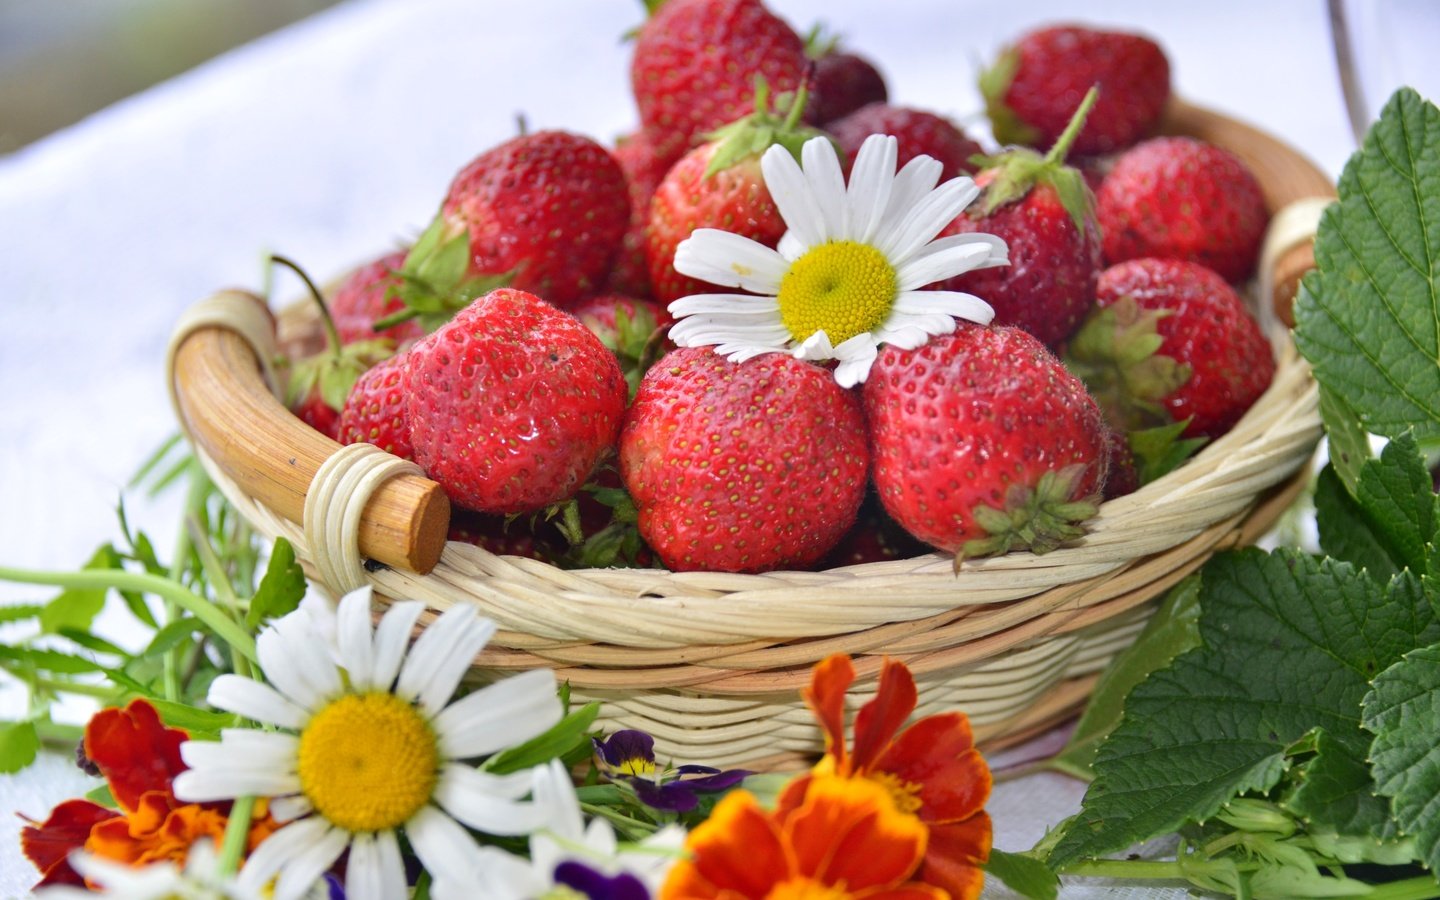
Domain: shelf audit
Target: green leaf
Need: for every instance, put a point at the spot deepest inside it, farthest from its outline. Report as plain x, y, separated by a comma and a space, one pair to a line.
1349, 444
1345, 531
1171, 631
93, 642
19, 742
1389, 522
77, 607
19, 612
47, 660
103, 796
1403, 711
1368, 318
202, 724
172, 634
562, 737
281, 589
1161, 450
1289, 644
1334, 793
1025, 875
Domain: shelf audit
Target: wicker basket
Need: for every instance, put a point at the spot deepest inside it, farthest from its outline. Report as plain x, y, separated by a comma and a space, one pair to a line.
710, 663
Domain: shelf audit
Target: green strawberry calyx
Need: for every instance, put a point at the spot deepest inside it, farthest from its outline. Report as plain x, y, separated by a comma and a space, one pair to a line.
333, 371
436, 281
637, 342
1163, 449
1116, 352
821, 42
1007, 127
1038, 519
1017, 171
748, 137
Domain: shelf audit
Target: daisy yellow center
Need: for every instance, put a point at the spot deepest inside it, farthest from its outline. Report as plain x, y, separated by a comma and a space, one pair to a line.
802, 888
368, 762
841, 287
906, 794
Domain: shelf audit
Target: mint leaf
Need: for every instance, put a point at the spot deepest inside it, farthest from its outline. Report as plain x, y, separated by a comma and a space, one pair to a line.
282, 588
561, 739
19, 742
1368, 318
19, 612
1289, 645
1344, 531
77, 607
1403, 711
1348, 444
1170, 632
1025, 875
1388, 522
1334, 793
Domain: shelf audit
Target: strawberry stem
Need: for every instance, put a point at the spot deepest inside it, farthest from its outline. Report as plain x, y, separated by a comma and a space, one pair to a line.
1072, 130
332, 334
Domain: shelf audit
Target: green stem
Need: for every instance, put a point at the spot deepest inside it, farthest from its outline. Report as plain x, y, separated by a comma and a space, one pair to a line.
90, 579
59, 733
332, 334
79, 688
178, 564
220, 583
1126, 868
1077, 121
237, 830
1423, 887
632, 827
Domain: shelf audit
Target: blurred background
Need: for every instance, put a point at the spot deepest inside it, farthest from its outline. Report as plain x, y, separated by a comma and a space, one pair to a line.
61, 60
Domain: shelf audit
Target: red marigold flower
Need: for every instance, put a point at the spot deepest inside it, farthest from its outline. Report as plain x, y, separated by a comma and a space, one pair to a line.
139, 758
844, 839
931, 769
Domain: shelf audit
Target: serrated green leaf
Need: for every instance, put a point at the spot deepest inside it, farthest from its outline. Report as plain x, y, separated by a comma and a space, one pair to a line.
19, 742
1334, 793
172, 634
47, 660
202, 724
1289, 645
1389, 522
1344, 530
93, 642
1025, 875
1349, 445
1161, 450
1368, 318
281, 589
560, 739
1402, 710
1171, 631
19, 612
77, 608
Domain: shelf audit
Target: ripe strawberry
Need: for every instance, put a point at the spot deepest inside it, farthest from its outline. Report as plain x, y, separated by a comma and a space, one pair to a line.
696, 62
983, 443
918, 132
719, 185
840, 82
504, 536
1171, 341
644, 169
875, 537
1045, 214
742, 467
630, 329
375, 411
1032, 90
512, 403
546, 211
368, 295
1181, 198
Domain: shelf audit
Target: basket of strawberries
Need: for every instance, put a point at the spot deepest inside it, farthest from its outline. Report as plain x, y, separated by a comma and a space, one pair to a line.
792, 371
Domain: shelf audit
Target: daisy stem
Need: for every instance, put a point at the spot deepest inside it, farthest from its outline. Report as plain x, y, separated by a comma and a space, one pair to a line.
194, 496
632, 828
237, 829
164, 588
79, 688
220, 583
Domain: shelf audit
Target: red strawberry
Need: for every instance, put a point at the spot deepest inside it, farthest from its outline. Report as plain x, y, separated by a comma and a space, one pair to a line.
696, 62
644, 169
375, 412
983, 443
719, 185
550, 209
512, 403
1181, 198
1171, 341
840, 82
630, 329
875, 537
368, 295
1046, 216
503, 536
1032, 90
742, 467
917, 132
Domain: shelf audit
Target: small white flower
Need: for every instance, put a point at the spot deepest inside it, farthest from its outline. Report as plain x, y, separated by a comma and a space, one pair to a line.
369, 744
156, 881
847, 275
497, 875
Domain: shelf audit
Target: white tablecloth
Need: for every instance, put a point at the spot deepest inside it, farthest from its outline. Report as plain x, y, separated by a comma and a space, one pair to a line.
336, 138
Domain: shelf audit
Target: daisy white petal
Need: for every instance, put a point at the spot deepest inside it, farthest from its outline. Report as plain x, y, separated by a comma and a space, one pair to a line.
791, 193
353, 638
306, 678
709, 328
821, 165
461, 792
494, 875
254, 700
906, 336
287, 809
856, 357
727, 304
441, 657
555, 795
738, 353
927, 218
276, 851
207, 785
999, 253
269, 753
730, 260
951, 303
442, 845
816, 347
375, 870
932, 323
392, 637
791, 247
308, 864
929, 268
499, 715
915, 179
871, 183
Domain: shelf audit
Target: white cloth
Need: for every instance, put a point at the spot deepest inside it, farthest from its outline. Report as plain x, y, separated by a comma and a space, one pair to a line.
335, 139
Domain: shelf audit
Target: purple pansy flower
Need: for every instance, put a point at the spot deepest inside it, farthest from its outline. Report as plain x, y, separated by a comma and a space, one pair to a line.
629, 756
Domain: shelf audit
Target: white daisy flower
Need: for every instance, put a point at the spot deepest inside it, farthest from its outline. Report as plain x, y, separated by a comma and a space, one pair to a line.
156, 881
847, 275
369, 745
497, 875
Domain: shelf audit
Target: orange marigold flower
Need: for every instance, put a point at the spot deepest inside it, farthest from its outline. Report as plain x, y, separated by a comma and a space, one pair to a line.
139, 758
931, 769
844, 839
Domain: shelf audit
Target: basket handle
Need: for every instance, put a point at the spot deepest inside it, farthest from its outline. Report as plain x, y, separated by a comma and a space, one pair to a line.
219, 367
